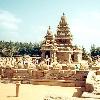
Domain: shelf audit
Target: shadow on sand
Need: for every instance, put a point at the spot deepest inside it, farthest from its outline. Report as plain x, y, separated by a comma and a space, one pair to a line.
11, 96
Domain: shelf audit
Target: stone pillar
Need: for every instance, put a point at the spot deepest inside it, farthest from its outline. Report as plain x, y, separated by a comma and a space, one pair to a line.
55, 57
78, 56
51, 57
68, 58
43, 54
17, 89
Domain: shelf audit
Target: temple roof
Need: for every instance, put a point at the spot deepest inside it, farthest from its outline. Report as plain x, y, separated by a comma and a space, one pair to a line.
63, 31
63, 21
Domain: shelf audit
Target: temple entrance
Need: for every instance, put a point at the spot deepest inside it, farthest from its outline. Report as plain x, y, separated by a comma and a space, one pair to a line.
72, 57
47, 54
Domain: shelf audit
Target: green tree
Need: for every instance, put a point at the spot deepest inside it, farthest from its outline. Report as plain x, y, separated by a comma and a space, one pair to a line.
84, 54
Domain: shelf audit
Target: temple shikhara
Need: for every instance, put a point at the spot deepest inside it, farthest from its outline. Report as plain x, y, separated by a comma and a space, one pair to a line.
59, 47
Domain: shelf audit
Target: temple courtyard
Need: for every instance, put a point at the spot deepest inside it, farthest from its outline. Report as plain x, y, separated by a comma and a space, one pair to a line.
38, 92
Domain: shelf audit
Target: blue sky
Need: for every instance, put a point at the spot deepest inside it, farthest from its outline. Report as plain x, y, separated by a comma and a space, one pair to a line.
28, 20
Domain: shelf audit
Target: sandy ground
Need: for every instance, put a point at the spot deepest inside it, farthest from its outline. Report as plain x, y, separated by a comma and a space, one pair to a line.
35, 92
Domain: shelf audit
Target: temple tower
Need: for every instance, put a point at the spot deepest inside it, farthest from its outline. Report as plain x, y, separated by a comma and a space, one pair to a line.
47, 48
64, 36
64, 41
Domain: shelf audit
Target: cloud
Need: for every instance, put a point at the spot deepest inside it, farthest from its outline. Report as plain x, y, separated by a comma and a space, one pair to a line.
8, 22
86, 28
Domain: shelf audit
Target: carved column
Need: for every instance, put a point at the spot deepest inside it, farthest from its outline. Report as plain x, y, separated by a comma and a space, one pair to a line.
43, 54
54, 56
78, 56
68, 58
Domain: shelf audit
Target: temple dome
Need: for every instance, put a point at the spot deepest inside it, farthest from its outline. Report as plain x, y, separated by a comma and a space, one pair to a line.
63, 17
49, 32
63, 20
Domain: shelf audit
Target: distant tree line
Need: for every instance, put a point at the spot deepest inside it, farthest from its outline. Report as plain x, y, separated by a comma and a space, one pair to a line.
95, 51
9, 49
85, 54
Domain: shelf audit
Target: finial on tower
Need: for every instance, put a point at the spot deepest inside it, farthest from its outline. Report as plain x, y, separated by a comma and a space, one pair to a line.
49, 28
63, 14
49, 31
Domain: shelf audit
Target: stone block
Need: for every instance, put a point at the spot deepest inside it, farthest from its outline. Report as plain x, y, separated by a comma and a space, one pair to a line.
34, 74
98, 72
89, 88
80, 83
95, 68
70, 84
64, 67
40, 74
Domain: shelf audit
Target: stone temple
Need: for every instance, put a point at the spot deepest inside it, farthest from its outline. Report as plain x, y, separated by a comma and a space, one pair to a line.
59, 47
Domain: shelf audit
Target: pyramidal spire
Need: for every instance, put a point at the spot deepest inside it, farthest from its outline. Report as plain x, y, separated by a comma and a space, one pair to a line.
63, 21
63, 26
49, 27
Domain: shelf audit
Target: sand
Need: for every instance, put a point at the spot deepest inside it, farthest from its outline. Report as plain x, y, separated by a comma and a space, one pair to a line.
35, 92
